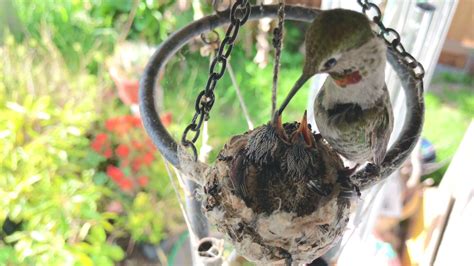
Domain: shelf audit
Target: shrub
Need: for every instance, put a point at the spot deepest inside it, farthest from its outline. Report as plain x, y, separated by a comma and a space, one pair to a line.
131, 168
50, 205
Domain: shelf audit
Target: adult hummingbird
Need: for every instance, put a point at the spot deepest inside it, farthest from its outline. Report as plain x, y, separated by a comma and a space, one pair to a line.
352, 110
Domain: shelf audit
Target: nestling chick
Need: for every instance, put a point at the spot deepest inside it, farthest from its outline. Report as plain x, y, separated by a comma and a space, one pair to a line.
265, 142
352, 110
301, 159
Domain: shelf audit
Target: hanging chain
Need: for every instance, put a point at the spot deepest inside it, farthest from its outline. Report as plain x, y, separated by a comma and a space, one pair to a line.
391, 37
239, 13
277, 44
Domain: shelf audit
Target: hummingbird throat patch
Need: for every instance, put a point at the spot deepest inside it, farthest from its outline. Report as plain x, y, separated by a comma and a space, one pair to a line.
348, 79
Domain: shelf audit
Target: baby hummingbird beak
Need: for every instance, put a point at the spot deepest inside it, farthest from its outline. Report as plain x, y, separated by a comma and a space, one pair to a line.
304, 131
277, 124
299, 83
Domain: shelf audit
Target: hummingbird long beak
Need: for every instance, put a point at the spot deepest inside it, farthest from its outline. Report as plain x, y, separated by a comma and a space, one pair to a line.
299, 83
304, 130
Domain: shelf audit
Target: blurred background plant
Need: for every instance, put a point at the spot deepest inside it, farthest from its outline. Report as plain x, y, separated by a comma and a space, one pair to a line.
135, 173
50, 204
80, 183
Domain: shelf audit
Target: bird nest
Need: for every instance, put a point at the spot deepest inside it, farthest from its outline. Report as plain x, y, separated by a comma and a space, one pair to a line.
270, 211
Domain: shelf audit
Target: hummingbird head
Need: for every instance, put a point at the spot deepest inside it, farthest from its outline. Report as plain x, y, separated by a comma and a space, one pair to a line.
331, 40
341, 43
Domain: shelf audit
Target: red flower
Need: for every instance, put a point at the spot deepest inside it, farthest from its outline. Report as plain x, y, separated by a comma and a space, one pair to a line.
143, 181
148, 158
96, 146
134, 121
101, 137
107, 153
122, 124
137, 164
118, 125
125, 185
122, 151
115, 173
119, 178
166, 119
137, 144
111, 124
99, 142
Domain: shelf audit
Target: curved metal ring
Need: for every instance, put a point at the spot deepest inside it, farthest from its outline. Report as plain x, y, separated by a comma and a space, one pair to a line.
364, 178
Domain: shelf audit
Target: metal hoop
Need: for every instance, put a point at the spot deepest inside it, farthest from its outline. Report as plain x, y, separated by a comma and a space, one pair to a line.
412, 85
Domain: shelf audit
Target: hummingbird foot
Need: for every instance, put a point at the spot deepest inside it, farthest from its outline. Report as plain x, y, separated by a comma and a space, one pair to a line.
348, 171
319, 187
348, 188
372, 169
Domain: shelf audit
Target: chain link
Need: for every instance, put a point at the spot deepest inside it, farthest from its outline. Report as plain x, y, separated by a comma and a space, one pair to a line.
239, 14
391, 37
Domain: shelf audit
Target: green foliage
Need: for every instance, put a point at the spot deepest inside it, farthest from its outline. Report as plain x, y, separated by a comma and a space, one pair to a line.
47, 186
92, 27
452, 77
72, 26
146, 225
449, 111
153, 20
57, 189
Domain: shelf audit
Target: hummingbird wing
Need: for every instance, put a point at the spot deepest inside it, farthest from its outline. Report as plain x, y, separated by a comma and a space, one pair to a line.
382, 128
356, 133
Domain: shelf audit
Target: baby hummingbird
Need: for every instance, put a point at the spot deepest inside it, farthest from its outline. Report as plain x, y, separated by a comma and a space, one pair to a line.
352, 109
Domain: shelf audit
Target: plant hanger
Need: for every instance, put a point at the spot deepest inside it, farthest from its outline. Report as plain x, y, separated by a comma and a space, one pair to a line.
260, 228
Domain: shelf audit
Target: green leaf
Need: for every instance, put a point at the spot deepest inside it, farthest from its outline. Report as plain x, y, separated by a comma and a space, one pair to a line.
14, 237
8, 256
97, 234
83, 259
84, 231
93, 159
38, 236
115, 252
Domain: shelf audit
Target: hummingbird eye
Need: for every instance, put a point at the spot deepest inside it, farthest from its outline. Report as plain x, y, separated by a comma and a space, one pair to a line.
330, 63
